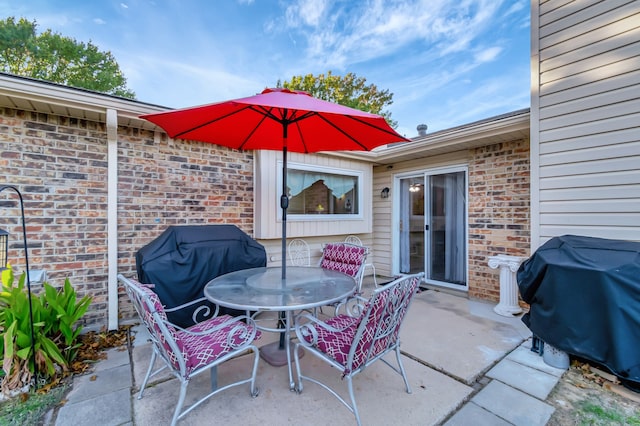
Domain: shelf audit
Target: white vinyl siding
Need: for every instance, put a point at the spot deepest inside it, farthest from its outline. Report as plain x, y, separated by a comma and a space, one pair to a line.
586, 106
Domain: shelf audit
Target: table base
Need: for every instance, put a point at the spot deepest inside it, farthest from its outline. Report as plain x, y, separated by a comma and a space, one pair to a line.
273, 355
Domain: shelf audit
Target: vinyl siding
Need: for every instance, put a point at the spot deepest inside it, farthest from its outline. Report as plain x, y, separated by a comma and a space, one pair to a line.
586, 106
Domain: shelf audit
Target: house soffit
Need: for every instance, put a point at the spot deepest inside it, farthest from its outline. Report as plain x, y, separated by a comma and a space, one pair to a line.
50, 98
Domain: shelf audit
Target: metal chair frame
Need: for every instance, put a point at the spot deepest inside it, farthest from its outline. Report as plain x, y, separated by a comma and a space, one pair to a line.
374, 325
179, 347
330, 261
353, 239
299, 253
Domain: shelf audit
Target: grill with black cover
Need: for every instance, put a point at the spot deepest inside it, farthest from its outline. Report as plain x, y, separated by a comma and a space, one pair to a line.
183, 259
584, 296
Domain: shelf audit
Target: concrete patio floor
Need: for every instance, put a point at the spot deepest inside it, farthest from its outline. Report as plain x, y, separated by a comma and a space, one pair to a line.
465, 364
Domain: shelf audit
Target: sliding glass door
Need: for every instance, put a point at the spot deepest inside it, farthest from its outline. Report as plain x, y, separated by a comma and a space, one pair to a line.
433, 226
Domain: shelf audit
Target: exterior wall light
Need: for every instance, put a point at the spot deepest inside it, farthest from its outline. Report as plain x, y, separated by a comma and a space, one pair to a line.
385, 192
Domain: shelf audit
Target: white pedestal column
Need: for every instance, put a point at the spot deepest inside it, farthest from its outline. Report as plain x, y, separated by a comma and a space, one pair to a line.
508, 305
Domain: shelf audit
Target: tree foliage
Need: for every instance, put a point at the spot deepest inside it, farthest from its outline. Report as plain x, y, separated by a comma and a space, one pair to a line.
348, 90
53, 57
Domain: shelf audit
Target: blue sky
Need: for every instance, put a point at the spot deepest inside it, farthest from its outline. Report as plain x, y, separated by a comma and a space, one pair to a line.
447, 62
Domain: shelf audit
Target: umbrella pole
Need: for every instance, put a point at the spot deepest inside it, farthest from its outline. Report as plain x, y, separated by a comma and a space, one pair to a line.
284, 204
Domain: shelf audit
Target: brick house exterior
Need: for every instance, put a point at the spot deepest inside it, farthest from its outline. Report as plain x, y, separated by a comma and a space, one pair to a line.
499, 218
60, 166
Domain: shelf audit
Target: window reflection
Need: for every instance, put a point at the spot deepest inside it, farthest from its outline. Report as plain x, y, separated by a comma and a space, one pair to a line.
315, 192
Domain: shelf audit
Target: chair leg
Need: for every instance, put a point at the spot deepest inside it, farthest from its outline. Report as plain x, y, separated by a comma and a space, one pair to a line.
183, 393
404, 375
296, 359
149, 369
252, 385
354, 407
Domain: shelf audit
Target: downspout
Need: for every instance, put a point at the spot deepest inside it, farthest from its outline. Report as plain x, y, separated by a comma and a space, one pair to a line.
112, 217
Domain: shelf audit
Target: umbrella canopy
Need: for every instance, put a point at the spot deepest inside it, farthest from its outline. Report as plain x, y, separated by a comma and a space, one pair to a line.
276, 119
279, 119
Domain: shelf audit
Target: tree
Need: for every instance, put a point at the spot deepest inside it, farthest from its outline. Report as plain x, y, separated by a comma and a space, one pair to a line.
349, 90
53, 57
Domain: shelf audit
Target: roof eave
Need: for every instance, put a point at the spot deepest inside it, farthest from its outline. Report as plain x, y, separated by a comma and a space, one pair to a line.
503, 128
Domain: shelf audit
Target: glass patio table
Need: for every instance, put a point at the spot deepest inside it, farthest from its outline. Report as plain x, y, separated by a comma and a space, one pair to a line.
263, 289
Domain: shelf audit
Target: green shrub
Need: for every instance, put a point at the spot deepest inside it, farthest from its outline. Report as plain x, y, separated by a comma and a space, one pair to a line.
55, 330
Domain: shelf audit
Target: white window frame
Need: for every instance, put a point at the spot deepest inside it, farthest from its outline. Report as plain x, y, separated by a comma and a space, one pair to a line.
329, 170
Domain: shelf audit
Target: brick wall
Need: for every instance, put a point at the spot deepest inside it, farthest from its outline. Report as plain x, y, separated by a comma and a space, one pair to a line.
499, 206
60, 166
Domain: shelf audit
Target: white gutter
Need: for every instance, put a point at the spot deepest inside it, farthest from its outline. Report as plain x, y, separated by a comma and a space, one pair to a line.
112, 217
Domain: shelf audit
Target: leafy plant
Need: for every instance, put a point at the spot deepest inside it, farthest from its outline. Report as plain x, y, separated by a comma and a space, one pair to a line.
65, 311
55, 333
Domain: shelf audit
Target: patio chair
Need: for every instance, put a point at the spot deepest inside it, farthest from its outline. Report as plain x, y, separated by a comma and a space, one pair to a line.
366, 332
352, 239
299, 253
196, 349
346, 258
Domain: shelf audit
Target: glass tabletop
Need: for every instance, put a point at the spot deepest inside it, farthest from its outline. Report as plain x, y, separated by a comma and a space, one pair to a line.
262, 289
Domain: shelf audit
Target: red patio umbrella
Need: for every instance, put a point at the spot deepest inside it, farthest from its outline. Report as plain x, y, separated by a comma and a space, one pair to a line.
279, 119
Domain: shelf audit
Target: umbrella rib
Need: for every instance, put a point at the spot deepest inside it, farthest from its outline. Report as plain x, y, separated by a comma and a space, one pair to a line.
256, 127
348, 135
267, 112
301, 136
178, 135
388, 131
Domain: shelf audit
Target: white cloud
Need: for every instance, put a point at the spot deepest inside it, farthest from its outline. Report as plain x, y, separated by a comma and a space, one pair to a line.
171, 83
516, 7
124, 6
488, 55
305, 12
363, 32
99, 21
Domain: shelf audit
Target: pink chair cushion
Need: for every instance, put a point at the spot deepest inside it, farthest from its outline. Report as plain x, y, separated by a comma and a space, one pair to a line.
155, 328
201, 350
337, 344
343, 258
